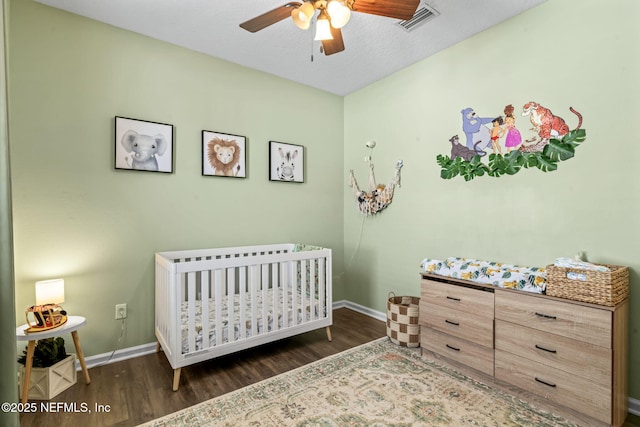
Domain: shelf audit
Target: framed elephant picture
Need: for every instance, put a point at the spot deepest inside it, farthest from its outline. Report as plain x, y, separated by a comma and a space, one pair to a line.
286, 162
143, 145
224, 154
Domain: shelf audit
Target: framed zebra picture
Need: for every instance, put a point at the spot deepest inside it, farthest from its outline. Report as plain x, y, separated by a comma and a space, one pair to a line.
286, 162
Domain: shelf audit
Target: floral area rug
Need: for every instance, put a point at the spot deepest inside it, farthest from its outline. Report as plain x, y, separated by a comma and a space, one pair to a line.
375, 384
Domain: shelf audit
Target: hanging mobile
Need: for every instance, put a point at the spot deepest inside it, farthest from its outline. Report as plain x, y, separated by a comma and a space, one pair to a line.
379, 196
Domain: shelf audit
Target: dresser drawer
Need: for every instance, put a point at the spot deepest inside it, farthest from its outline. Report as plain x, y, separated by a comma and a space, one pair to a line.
473, 300
460, 324
567, 319
572, 356
459, 350
556, 385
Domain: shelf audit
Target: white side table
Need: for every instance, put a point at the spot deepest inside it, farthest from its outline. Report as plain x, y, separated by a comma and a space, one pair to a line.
73, 324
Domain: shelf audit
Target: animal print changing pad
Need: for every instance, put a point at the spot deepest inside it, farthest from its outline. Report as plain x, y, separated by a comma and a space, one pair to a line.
530, 279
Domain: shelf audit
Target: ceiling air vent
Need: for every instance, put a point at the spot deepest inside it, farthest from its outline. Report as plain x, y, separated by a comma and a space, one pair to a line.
423, 14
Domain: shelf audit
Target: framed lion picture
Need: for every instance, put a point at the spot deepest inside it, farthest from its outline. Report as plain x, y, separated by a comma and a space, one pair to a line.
223, 154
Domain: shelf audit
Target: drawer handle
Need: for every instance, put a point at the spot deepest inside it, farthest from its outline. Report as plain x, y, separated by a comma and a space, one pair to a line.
546, 316
544, 382
545, 349
452, 348
453, 298
452, 322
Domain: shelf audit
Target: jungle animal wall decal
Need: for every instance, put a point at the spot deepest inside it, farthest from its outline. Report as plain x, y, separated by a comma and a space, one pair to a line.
459, 150
552, 141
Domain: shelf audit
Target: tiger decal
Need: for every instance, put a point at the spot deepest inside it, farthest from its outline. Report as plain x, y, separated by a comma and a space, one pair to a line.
545, 123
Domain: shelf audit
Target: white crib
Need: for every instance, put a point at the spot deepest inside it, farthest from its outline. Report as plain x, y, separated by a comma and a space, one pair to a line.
212, 302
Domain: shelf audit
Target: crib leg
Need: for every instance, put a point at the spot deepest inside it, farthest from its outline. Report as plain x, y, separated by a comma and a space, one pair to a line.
176, 378
328, 328
158, 347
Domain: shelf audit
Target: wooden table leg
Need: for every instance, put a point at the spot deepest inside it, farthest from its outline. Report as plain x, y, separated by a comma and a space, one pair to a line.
76, 343
176, 378
31, 346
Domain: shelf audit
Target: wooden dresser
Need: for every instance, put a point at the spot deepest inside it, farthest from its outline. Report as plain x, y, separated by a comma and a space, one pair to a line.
570, 353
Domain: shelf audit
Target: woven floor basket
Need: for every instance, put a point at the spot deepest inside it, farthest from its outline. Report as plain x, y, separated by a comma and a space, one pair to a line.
603, 288
402, 320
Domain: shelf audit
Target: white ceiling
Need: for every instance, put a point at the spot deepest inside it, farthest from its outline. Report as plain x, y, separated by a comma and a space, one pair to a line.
375, 46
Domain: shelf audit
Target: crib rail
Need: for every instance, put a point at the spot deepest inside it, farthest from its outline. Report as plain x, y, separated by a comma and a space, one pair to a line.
215, 302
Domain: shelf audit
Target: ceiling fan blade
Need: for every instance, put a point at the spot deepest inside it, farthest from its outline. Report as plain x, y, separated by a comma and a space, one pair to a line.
399, 9
270, 18
333, 46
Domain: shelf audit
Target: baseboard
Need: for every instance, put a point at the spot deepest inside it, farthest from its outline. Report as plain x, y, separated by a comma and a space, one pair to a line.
118, 355
360, 309
634, 406
144, 349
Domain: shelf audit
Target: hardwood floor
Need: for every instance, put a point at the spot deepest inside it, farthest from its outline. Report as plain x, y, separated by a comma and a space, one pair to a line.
139, 390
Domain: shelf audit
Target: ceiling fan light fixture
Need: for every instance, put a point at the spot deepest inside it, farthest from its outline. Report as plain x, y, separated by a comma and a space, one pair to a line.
302, 15
323, 27
339, 13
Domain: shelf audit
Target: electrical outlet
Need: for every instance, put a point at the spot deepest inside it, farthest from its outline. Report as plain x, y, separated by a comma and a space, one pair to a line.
121, 311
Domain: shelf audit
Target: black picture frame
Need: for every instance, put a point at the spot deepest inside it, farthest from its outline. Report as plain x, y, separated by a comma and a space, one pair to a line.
224, 154
286, 162
143, 145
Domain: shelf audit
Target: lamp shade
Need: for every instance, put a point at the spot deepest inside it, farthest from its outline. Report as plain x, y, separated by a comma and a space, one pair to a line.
339, 13
302, 15
323, 27
50, 291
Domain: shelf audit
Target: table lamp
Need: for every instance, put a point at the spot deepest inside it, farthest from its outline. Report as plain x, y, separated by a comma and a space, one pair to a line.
47, 314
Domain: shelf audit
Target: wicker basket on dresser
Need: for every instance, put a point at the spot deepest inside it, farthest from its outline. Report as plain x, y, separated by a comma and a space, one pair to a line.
571, 353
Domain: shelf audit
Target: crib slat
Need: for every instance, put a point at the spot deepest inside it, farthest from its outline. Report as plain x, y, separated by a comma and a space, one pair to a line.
231, 293
217, 299
303, 290
176, 295
274, 296
284, 288
191, 310
242, 290
312, 290
322, 287
265, 300
204, 301
254, 278
293, 285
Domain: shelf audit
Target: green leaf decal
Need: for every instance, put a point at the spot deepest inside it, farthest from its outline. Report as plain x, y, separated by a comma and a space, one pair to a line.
557, 150
545, 164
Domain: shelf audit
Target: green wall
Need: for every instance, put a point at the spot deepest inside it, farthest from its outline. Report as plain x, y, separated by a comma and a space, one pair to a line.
561, 54
77, 217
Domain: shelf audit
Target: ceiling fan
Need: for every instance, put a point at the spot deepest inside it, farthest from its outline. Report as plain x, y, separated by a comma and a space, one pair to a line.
333, 15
